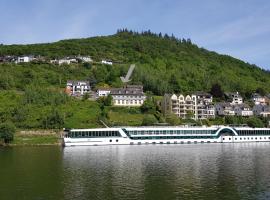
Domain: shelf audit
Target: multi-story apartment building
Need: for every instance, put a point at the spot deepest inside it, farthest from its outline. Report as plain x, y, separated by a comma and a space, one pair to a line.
195, 106
77, 88
205, 107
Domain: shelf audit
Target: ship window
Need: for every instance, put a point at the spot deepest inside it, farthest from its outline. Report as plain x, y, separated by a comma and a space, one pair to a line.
110, 140
116, 140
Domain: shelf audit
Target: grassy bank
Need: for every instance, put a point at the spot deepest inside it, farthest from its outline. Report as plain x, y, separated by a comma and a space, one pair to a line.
36, 138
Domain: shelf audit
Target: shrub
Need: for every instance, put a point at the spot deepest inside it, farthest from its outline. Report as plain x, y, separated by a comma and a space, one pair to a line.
7, 131
149, 120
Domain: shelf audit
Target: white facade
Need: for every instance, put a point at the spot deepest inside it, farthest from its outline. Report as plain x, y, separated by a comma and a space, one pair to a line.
24, 59
243, 110
78, 88
236, 98
85, 58
258, 99
107, 62
191, 106
63, 61
103, 92
128, 100
128, 96
261, 110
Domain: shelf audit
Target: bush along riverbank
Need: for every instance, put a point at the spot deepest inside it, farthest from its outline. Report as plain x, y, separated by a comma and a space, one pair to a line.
36, 138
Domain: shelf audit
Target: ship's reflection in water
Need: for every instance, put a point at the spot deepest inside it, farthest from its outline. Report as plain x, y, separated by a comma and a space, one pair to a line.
209, 171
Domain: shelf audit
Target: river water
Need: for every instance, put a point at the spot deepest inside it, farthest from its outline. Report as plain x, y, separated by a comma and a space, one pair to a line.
199, 171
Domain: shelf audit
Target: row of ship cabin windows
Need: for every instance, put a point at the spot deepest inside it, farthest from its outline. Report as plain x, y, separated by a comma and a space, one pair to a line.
166, 132
253, 132
174, 137
82, 134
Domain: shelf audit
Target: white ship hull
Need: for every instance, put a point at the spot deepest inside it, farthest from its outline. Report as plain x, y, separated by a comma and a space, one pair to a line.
124, 138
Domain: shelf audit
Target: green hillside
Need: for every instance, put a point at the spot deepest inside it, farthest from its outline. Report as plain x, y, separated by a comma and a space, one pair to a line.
164, 64
31, 94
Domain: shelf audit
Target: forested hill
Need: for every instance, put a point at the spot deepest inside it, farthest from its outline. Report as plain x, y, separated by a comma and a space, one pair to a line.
164, 63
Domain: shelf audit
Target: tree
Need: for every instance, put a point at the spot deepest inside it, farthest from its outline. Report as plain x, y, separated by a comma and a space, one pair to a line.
108, 100
261, 91
173, 120
216, 91
149, 120
255, 122
53, 120
174, 84
105, 101
148, 106
7, 131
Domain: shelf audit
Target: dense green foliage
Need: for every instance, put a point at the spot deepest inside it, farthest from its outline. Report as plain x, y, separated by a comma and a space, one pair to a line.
31, 94
7, 131
149, 120
164, 64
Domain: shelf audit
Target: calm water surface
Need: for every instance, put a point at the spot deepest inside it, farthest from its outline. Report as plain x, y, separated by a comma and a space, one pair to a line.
209, 171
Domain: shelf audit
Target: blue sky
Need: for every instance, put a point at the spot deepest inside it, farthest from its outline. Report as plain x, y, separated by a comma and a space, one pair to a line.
240, 28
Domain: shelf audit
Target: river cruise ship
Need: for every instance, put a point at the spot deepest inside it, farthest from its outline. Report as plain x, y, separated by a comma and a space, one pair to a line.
164, 135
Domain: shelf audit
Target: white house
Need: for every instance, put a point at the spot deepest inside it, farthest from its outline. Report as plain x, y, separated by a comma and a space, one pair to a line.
24, 59
261, 110
243, 110
85, 58
77, 88
225, 109
66, 60
258, 99
236, 98
107, 62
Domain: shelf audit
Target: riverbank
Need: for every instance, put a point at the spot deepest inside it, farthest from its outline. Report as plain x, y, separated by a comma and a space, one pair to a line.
36, 138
